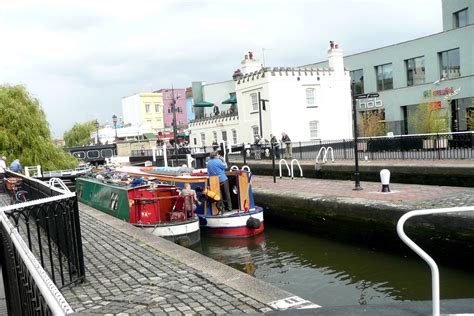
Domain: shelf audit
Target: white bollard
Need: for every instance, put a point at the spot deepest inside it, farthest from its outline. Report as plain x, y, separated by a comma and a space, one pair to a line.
385, 179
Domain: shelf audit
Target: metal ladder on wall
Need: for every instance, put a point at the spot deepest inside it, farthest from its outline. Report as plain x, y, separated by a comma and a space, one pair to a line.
290, 168
58, 183
325, 151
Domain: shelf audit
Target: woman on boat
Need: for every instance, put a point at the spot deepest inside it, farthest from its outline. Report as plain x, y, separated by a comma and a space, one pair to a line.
192, 197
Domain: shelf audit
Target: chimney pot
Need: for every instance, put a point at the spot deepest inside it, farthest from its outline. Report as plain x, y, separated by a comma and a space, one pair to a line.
246, 56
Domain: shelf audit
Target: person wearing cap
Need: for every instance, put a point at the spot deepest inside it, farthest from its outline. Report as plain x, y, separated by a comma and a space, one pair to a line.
16, 166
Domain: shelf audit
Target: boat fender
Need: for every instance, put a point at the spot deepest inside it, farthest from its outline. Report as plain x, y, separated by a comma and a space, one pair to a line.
253, 223
184, 241
212, 195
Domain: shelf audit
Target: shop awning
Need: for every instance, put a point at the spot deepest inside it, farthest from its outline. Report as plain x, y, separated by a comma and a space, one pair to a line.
149, 136
231, 100
203, 104
182, 134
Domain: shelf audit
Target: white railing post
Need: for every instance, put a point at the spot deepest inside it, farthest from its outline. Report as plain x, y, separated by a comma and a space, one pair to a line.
165, 156
154, 149
422, 253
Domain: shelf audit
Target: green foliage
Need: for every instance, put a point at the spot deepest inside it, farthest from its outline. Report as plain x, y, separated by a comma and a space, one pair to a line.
372, 124
79, 134
25, 134
470, 120
428, 120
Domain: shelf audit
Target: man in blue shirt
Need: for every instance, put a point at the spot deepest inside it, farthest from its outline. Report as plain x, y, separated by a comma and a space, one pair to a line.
216, 167
15, 165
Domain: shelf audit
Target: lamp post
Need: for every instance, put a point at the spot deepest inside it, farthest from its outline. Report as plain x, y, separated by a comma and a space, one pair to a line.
357, 186
114, 120
173, 107
261, 105
97, 129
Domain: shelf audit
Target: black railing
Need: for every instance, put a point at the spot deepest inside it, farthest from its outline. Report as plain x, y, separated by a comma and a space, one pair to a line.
423, 146
50, 227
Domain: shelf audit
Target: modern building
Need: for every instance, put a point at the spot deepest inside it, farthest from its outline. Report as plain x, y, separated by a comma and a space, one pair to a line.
179, 97
145, 108
307, 104
437, 70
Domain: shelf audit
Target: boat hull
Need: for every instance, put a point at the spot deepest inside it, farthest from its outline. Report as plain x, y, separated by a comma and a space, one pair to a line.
234, 225
185, 234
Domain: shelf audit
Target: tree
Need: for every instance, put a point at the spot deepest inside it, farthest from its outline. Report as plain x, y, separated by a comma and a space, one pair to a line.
25, 134
79, 134
372, 124
429, 119
470, 120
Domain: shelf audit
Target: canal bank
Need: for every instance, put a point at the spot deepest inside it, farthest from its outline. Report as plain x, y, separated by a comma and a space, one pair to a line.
428, 172
330, 208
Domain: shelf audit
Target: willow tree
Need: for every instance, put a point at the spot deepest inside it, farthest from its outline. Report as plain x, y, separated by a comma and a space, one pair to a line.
470, 120
79, 134
372, 124
429, 119
25, 134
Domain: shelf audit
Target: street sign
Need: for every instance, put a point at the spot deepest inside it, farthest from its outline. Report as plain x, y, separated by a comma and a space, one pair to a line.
366, 96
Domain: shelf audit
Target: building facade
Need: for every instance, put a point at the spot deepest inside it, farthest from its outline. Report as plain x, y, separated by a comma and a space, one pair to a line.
145, 108
437, 70
307, 104
179, 97
189, 104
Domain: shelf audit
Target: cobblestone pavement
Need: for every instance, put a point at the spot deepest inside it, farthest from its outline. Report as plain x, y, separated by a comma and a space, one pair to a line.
127, 276
407, 195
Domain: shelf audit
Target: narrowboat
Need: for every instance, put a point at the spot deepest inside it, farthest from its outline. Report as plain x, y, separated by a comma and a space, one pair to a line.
156, 208
245, 220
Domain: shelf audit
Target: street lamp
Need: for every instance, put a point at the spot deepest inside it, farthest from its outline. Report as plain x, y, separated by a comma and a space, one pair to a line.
97, 129
357, 186
261, 105
114, 120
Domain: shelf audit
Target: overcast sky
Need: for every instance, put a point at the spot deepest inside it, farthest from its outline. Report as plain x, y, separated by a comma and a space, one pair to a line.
79, 58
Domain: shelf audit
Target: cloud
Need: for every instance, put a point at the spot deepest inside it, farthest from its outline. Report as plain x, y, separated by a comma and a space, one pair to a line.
81, 57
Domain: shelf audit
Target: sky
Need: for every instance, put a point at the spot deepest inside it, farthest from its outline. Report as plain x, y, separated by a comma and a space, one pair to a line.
80, 58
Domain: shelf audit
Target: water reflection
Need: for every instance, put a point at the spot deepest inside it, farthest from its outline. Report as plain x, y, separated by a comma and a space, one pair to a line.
332, 273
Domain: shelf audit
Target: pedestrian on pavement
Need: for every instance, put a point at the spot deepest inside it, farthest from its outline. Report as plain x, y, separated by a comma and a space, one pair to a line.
276, 146
288, 148
16, 166
216, 167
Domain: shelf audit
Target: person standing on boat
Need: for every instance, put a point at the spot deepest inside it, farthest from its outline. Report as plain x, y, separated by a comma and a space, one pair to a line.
216, 167
16, 166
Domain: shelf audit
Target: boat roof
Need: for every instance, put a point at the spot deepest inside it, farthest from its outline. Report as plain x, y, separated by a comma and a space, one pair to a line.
138, 171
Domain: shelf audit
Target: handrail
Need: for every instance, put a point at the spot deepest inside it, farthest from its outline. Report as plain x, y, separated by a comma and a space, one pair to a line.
53, 181
234, 168
51, 294
247, 168
292, 172
287, 167
325, 158
422, 253
319, 154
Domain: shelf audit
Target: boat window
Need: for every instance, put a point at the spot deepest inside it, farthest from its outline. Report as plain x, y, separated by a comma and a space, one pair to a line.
80, 190
113, 201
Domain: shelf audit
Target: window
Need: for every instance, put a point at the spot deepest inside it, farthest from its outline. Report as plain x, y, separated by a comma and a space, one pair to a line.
113, 201
147, 108
384, 77
255, 132
234, 136
313, 129
214, 135
157, 108
450, 64
310, 97
195, 141
254, 102
415, 71
224, 136
357, 76
203, 139
460, 18
169, 110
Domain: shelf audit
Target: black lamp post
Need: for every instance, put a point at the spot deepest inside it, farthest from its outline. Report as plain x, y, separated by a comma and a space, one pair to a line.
357, 186
114, 120
175, 138
97, 129
261, 106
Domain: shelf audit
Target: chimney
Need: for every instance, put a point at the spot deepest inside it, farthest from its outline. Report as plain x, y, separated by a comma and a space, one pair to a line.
249, 64
335, 58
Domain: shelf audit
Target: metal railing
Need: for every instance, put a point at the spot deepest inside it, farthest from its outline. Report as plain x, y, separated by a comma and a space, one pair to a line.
49, 228
422, 253
457, 145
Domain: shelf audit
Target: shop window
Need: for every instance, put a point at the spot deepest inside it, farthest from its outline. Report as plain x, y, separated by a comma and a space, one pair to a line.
384, 77
450, 64
313, 129
254, 97
357, 77
415, 71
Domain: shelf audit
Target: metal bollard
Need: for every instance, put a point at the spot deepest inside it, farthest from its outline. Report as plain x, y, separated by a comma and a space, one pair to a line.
385, 179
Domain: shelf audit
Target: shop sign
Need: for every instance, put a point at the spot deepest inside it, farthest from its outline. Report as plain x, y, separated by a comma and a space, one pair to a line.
370, 104
449, 92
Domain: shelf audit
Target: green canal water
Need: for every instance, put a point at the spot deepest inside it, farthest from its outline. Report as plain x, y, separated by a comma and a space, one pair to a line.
330, 273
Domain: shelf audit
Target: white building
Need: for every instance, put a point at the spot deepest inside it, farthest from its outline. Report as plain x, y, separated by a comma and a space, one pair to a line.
307, 104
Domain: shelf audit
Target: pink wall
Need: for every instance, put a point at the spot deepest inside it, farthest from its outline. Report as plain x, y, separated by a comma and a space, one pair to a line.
180, 106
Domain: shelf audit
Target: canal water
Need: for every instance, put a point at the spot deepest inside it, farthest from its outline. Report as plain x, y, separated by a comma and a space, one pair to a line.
330, 273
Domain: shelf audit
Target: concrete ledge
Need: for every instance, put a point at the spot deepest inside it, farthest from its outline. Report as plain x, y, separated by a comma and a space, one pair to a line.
244, 283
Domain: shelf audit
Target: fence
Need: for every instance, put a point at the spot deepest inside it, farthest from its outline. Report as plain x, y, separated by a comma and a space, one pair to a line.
41, 249
421, 146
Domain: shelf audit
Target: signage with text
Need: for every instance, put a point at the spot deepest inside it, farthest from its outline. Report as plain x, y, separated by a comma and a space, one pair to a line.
370, 104
448, 92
